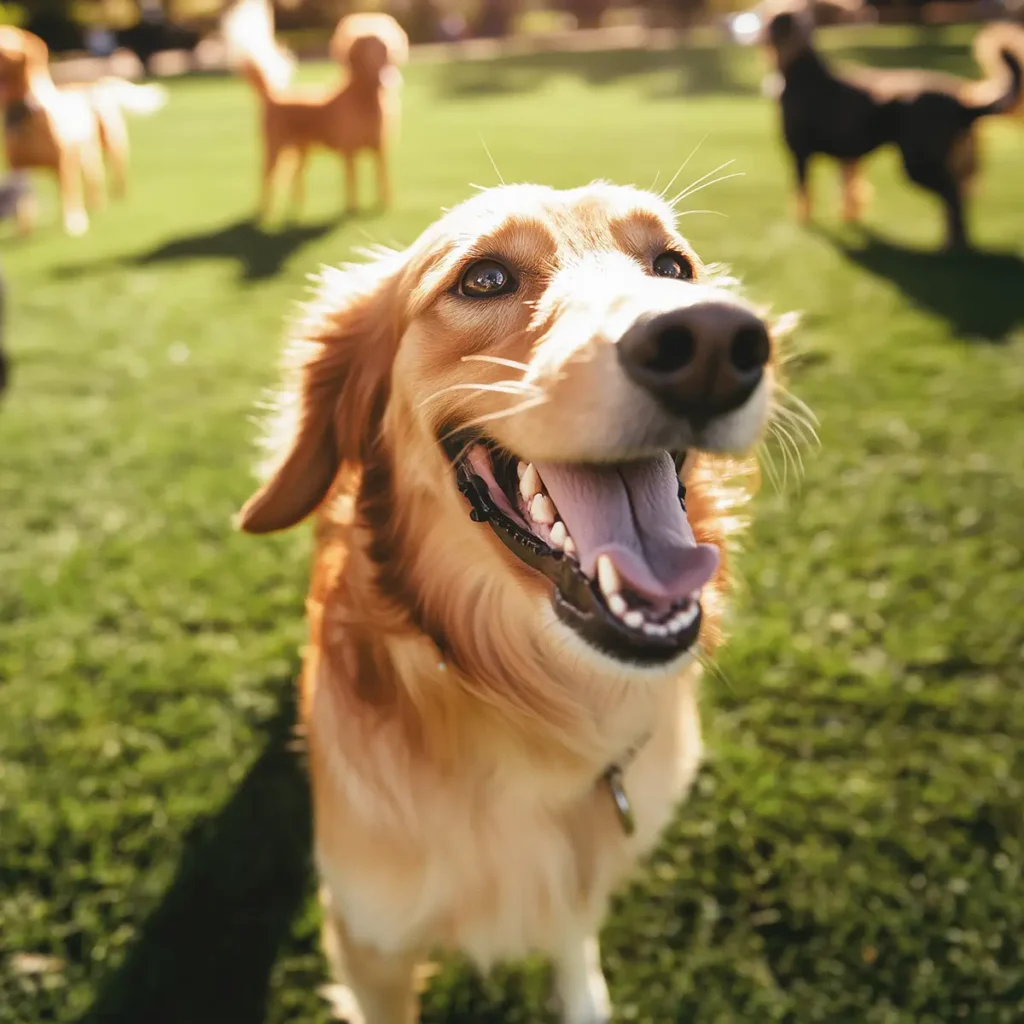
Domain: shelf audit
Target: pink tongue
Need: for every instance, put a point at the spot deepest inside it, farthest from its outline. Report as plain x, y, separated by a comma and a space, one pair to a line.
631, 513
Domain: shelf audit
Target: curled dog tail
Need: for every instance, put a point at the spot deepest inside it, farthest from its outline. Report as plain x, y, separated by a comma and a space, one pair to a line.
998, 48
248, 30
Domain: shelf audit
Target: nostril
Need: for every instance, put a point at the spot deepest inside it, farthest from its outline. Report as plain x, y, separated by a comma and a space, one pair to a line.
750, 349
673, 348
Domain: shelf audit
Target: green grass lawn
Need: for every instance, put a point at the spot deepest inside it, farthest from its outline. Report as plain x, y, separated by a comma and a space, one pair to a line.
854, 849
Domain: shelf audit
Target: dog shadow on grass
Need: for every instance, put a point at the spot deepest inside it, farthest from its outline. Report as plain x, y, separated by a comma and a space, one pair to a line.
260, 253
980, 294
207, 952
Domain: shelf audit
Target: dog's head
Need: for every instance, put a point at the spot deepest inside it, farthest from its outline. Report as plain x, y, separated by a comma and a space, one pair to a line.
369, 43
520, 390
788, 25
22, 57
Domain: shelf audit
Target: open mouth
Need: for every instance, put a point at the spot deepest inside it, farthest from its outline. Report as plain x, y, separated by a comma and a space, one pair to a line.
612, 538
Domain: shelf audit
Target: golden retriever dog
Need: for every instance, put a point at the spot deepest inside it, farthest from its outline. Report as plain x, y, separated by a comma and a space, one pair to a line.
69, 130
358, 114
521, 437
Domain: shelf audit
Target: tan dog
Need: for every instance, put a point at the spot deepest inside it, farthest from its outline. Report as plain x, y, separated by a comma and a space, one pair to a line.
509, 590
358, 114
68, 131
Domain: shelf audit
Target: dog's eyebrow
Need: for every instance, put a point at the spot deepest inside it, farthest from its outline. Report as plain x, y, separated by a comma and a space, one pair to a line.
525, 242
641, 230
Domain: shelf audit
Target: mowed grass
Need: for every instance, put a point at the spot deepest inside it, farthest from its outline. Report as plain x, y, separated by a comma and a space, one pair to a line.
853, 850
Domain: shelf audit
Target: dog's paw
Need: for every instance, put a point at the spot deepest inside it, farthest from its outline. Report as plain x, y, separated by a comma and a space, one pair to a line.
591, 1005
76, 222
342, 1002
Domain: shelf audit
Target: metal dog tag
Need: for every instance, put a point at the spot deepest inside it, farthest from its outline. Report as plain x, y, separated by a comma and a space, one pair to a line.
613, 777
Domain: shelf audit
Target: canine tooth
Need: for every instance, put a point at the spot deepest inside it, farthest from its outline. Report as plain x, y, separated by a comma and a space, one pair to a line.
529, 482
633, 619
559, 534
542, 509
569, 547
617, 605
608, 576
520, 469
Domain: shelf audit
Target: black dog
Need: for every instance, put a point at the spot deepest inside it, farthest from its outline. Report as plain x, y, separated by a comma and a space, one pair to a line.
848, 114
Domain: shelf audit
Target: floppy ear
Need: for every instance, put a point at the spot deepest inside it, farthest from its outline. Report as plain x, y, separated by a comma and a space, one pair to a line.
339, 371
23, 48
37, 55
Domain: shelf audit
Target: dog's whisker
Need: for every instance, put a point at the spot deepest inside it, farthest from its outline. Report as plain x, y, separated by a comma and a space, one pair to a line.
693, 190
688, 213
491, 158
513, 364
703, 177
767, 460
501, 387
490, 417
682, 167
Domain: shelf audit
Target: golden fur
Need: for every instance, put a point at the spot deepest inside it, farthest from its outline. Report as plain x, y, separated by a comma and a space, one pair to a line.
68, 131
456, 731
359, 113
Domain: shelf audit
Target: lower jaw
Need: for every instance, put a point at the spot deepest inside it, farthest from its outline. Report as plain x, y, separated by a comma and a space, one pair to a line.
619, 643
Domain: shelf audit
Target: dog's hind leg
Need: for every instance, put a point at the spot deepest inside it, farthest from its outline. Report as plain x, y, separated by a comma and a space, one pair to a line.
383, 178
582, 990
299, 182
803, 189
69, 178
93, 174
943, 182
351, 182
271, 156
856, 192
114, 140
373, 987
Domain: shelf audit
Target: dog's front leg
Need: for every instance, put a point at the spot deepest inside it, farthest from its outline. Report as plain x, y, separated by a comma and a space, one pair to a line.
581, 986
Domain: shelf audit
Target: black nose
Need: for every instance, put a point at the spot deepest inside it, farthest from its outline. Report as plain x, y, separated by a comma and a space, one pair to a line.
701, 362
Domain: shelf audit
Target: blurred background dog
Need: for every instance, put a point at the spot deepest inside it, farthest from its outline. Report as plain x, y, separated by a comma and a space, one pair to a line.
358, 114
72, 131
850, 112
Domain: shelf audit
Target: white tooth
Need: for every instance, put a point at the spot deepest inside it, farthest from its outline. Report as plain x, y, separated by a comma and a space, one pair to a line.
633, 619
617, 605
542, 509
559, 534
685, 617
608, 575
661, 629
569, 547
529, 482
651, 629
520, 469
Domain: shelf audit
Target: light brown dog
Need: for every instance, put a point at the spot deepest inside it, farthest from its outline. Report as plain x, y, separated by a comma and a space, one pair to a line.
69, 130
357, 114
509, 588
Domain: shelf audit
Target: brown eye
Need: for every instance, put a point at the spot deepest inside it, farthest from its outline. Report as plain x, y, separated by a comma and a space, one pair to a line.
671, 264
485, 279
